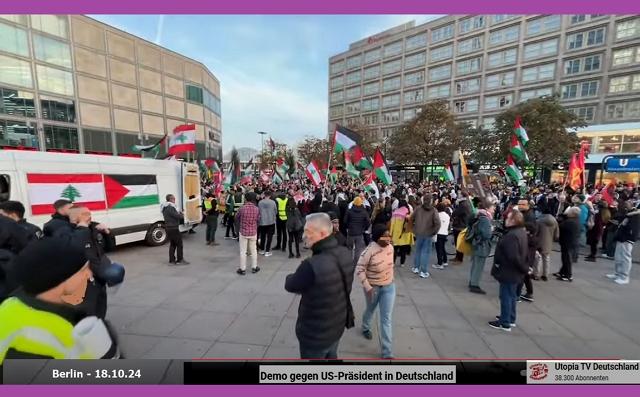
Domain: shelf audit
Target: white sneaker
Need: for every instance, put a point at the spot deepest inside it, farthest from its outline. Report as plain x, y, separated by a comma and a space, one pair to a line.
622, 281
415, 270
445, 264
424, 275
268, 254
261, 252
611, 276
439, 267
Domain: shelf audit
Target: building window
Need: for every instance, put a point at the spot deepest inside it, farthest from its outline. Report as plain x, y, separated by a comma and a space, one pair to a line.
392, 49
501, 80
470, 24
442, 53
623, 110
441, 34
626, 56
353, 92
354, 61
353, 107
52, 51
53, 24
372, 72
15, 72
391, 84
580, 90
14, 40
541, 49
417, 41
372, 55
391, 117
466, 106
55, 80
337, 96
336, 111
388, 132
576, 19
195, 94
60, 138
414, 78
337, 82
631, 144
19, 19
584, 113
539, 73
468, 66
414, 96
58, 109
467, 86
390, 101
470, 45
410, 114
503, 58
17, 103
337, 67
18, 134
372, 88
622, 84
370, 119
628, 29
496, 19
415, 60
353, 77
543, 25
586, 39
97, 141
498, 101
503, 36
370, 104
582, 65
125, 143
439, 91
392, 67
541, 92
440, 73
488, 123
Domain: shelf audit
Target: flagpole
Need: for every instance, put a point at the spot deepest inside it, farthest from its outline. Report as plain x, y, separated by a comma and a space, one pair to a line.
331, 148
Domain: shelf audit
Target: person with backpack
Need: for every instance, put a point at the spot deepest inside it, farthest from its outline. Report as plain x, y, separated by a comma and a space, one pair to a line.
479, 233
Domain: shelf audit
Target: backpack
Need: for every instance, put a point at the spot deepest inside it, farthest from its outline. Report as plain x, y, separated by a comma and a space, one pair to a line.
471, 230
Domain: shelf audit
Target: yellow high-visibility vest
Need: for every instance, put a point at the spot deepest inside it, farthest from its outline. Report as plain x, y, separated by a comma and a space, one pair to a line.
282, 208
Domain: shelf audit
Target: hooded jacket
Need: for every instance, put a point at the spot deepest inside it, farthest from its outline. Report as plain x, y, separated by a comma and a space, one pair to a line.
426, 221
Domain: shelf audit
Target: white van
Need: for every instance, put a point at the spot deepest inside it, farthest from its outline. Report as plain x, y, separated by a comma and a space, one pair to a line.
124, 193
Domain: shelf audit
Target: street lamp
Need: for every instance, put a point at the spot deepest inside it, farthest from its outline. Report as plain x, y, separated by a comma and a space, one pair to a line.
262, 155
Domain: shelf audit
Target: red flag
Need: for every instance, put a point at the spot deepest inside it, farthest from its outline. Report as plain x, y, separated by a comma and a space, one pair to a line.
574, 176
608, 192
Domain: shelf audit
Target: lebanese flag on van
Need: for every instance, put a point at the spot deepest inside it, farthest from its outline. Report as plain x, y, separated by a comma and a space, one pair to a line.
82, 189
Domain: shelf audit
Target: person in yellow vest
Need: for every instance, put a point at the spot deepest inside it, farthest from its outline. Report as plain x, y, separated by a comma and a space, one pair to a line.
281, 222
42, 318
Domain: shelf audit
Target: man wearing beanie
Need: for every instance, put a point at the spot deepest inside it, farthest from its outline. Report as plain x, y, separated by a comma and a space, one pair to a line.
42, 319
357, 222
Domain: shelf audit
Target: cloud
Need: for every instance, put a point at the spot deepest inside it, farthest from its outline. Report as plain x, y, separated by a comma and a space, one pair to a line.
159, 30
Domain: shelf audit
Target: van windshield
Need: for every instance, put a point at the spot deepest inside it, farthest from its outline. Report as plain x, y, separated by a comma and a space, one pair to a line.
5, 186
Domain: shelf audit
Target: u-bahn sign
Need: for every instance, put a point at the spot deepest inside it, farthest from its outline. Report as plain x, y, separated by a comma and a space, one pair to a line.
623, 164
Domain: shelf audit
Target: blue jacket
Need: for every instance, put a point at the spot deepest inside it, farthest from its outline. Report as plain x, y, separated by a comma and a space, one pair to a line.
584, 216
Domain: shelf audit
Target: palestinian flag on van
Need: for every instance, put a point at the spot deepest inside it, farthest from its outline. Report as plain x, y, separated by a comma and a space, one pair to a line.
127, 191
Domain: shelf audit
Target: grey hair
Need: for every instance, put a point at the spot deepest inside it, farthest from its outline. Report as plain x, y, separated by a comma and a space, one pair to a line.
321, 221
572, 212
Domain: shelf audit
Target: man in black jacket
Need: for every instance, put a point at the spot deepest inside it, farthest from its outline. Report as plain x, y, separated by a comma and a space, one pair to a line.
626, 236
324, 280
59, 223
509, 268
460, 218
15, 210
357, 222
172, 221
12, 242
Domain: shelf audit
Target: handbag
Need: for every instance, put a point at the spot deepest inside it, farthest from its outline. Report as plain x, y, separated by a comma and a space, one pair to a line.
463, 245
351, 319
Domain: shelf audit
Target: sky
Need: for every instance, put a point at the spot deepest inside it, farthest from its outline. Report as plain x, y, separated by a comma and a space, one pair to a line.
272, 69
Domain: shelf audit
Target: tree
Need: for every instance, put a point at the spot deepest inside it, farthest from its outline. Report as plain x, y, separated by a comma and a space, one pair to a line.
480, 146
270, 157
71, 193
313, 148
431, 137
551, 129
290, 161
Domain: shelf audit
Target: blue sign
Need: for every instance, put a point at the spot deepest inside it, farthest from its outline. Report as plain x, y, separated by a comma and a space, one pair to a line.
623, 165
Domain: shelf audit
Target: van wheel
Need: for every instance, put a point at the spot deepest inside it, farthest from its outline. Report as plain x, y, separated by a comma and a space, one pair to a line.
157, 235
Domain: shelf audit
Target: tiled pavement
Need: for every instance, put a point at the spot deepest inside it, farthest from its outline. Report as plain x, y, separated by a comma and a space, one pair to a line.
206, 310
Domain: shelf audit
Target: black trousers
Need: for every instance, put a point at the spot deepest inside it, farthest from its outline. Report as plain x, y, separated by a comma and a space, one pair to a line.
441, 253
266, 237
401, 251
281, 226
294, 237
566, 253
528, 284
175, 243
459, 255
231, 221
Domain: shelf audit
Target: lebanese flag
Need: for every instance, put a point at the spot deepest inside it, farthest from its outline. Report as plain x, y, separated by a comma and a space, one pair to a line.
344, 139
183, 139
381, 169
82, 189
313, 173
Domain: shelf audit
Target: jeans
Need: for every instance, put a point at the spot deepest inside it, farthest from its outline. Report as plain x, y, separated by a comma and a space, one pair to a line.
477, 267
566, 253
441, 253
622, 259
330, 353
266, 236
508, 299
384, 297
175, 243
281, 240
356, 242
248, 242
423, 252
294, 237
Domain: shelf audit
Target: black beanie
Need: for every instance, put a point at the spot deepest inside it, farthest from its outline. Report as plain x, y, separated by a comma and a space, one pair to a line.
47, 263
377, 232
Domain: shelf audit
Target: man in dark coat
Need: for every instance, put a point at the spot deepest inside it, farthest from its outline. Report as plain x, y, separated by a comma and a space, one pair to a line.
172, 221
12, 241
15, 210
357, 222
324, 280
460, 218
59, 223
569, 235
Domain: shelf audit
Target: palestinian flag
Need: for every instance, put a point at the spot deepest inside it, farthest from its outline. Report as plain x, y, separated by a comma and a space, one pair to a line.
520, 132
359, 158
333, 176
517, 150
447, 173
229, 179
277, 178
183, 139
348, 165
82, 189
128, 191
344, 139
313, 173
380, 168
512, 170
371, 187
247, 173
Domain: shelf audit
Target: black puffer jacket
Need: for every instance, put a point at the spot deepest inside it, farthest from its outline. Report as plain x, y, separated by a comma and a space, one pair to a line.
58, 225
357, 221
569, 232
510, 261
629, 229
461, 216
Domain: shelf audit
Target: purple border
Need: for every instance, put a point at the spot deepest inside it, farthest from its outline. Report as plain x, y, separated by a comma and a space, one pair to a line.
318, 6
